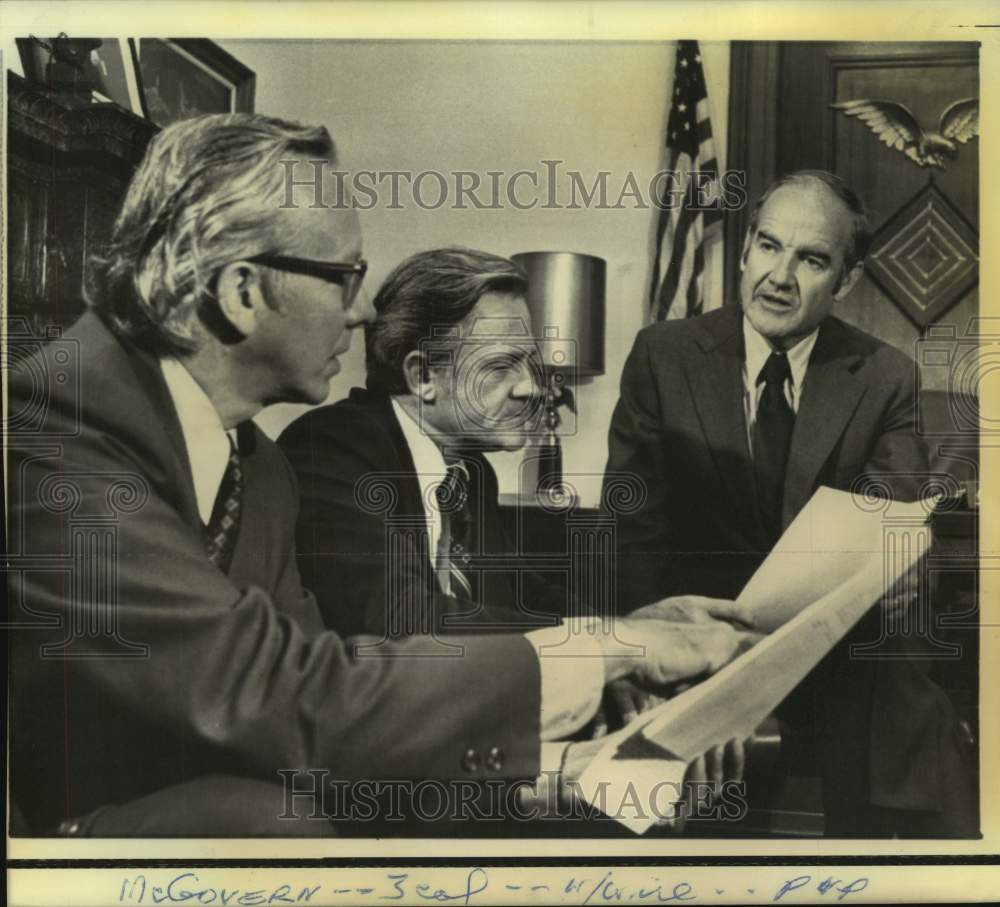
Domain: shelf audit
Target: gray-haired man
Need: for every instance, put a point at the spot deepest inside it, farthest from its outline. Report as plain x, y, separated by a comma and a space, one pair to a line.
174, 665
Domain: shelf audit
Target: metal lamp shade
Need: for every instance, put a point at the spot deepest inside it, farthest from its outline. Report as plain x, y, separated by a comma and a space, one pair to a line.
566, 301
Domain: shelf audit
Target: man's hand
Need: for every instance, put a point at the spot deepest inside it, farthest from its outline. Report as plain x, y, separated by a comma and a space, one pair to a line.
694, 609
671, 651
719, 764
623, 701
703, 781
578, 756
554, 795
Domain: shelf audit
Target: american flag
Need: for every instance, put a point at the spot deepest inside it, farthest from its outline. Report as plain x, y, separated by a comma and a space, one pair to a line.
676, 290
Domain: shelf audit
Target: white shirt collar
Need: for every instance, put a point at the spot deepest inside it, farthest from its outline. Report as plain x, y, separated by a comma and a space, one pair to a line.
757, 351
427, 457
205, 438
431, 470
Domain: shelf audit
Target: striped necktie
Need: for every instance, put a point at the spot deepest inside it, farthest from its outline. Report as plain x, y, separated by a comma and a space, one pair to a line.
224, 525
456, 524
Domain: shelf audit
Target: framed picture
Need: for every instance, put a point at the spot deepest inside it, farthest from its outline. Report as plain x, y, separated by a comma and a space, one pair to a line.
92, 70
184, 77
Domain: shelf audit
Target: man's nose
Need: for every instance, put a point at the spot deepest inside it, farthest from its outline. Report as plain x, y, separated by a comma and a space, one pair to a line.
362, 311
783, 272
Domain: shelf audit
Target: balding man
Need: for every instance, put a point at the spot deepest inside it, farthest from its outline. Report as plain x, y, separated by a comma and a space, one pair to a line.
732, 420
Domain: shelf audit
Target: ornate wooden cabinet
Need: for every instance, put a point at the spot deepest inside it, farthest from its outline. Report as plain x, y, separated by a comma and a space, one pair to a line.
68, 168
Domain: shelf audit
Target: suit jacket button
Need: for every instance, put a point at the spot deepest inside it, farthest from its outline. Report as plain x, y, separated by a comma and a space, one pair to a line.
495, 759
471, 760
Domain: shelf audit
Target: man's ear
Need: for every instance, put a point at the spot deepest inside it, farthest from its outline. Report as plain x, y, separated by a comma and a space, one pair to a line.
419, 380
240, 295
848, 281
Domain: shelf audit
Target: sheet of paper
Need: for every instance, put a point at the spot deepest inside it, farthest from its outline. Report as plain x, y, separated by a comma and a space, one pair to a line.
834, 562
834, 536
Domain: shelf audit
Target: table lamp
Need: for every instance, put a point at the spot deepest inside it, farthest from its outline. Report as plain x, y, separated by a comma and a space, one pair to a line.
566, 301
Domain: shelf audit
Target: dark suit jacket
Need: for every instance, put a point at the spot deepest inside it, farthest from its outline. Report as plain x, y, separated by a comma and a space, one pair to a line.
679, 426
362, 527
238, 675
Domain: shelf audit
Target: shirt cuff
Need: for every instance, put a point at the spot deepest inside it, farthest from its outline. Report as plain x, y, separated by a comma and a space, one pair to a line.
572, 672
552, 758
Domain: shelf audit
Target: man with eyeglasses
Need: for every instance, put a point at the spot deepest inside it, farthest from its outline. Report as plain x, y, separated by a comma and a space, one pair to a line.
169, 670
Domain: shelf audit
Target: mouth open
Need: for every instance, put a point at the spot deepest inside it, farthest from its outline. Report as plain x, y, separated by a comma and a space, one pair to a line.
774, 301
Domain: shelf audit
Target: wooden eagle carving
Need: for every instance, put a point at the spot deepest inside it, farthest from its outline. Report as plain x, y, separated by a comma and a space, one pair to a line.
898, 128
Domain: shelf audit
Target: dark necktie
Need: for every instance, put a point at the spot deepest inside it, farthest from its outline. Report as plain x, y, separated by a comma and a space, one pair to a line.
772, 436
456, 527
224, 525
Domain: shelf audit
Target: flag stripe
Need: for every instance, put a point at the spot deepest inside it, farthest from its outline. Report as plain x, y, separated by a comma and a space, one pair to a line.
672, 280
678, 265
694, 287
661, 226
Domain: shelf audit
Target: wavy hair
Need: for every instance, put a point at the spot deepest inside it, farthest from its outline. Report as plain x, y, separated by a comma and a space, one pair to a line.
209, 191
432, 289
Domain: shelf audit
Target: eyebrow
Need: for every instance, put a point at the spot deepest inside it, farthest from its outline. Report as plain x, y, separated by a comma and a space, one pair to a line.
815, 253
804, 251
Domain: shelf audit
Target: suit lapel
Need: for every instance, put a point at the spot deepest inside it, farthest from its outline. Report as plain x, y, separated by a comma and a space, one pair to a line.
410, 494
831, 393
142, 394
150, 375
716, 379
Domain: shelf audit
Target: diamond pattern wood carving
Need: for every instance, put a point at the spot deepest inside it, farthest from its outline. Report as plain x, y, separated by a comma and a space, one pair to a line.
926, 257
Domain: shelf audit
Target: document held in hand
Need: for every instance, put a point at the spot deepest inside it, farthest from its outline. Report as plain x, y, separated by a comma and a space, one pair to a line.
840, 556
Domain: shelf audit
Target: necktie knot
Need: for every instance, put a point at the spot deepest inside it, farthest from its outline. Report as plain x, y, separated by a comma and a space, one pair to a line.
452, 493
776, 370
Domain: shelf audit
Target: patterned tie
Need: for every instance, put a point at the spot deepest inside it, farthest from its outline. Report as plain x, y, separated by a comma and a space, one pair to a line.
224, 525
456, 525
772, 436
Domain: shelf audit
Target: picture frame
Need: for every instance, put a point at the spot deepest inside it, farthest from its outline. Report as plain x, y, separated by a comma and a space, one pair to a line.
91, 70
181, 77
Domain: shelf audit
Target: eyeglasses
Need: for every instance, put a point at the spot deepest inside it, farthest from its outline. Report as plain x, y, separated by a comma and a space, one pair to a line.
347, 274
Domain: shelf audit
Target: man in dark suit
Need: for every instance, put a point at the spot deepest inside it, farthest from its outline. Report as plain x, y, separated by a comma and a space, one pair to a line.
732, 420
431, 409
453, 372
167, 664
